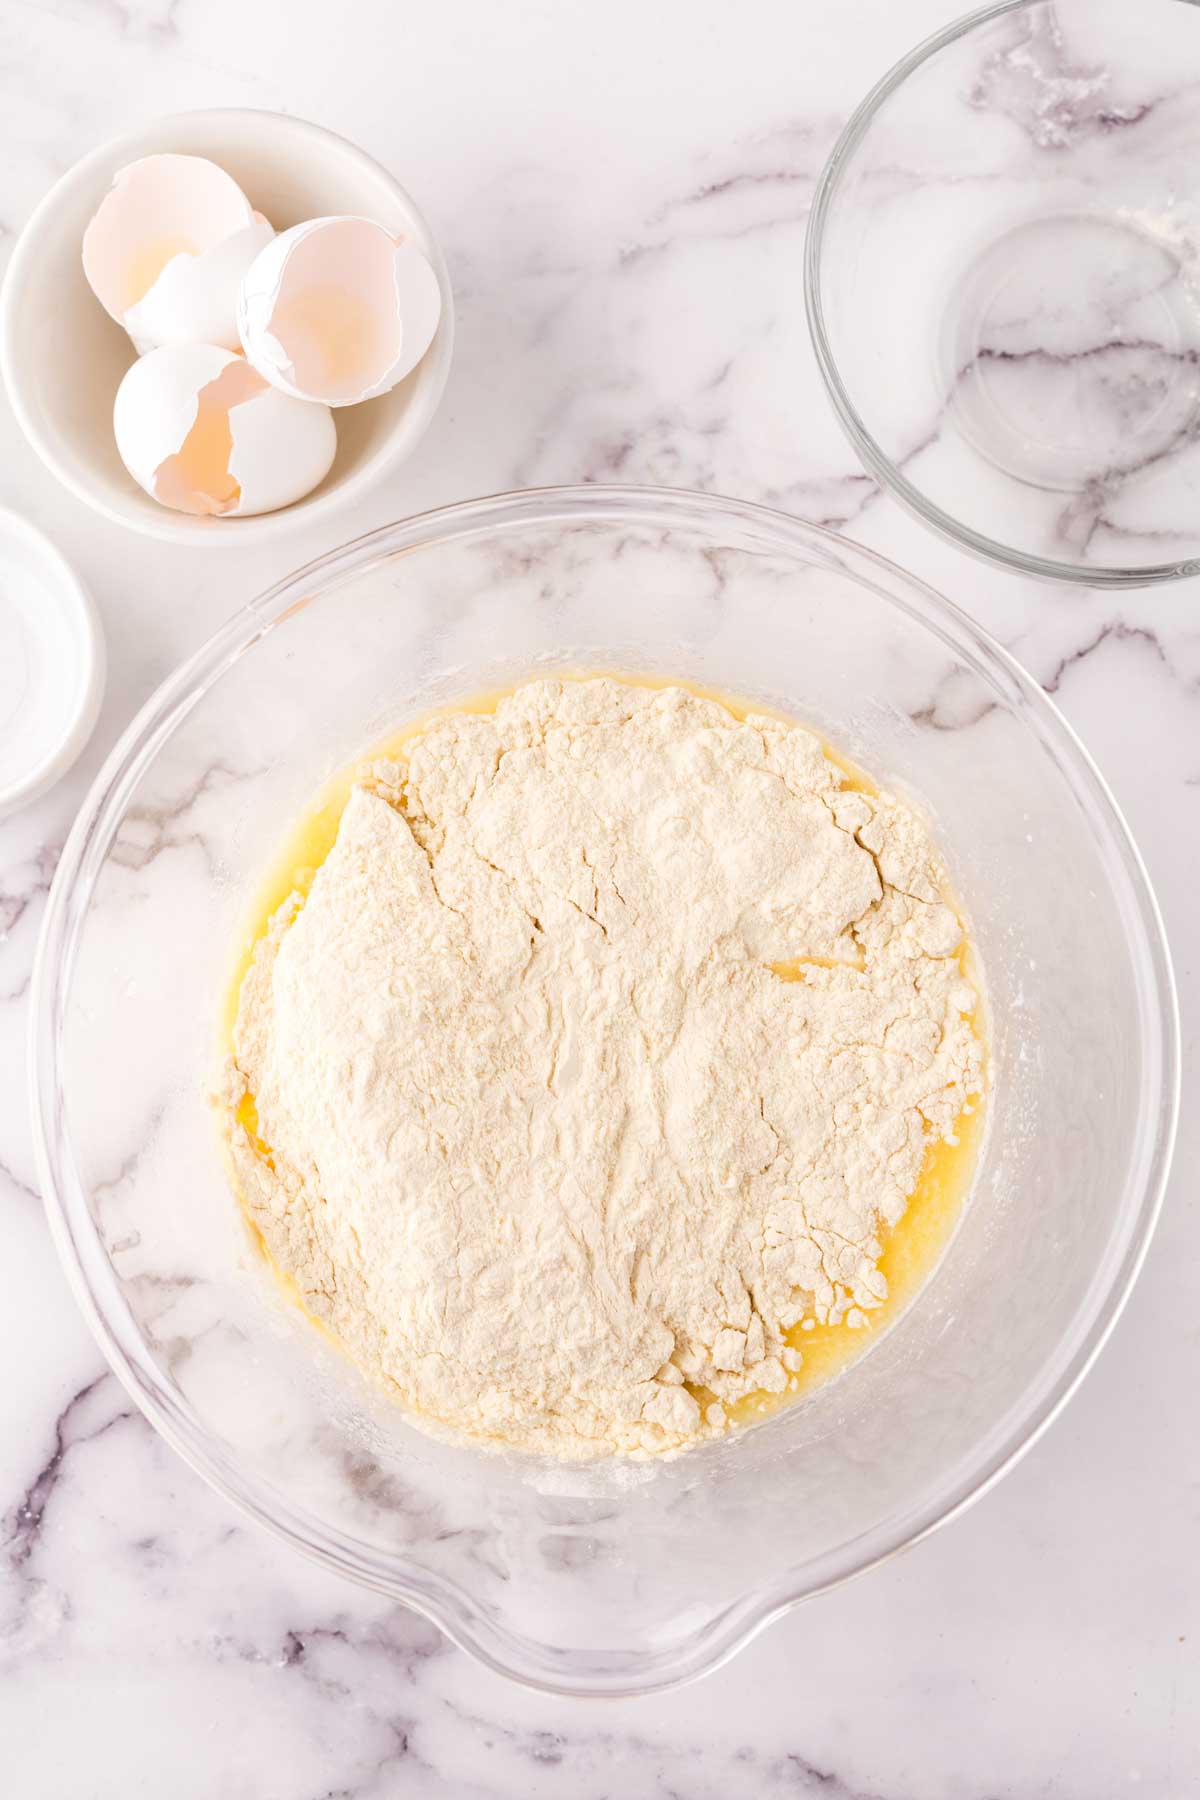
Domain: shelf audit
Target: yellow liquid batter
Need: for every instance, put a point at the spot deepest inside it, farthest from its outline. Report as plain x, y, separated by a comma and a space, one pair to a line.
911, 1249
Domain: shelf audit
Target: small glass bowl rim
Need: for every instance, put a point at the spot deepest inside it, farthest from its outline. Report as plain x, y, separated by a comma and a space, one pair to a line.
889, 475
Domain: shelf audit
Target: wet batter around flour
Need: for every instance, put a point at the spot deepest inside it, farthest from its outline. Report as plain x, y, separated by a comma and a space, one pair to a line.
605, 1066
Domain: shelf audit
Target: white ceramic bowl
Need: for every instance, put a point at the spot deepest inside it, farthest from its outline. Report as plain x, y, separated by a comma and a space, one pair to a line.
63, 357
52, 669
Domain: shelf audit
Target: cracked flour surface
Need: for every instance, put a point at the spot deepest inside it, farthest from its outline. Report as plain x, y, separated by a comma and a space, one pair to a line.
551, 1142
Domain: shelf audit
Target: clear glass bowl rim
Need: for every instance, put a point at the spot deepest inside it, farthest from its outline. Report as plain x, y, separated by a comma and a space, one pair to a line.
871, 453
93, 1279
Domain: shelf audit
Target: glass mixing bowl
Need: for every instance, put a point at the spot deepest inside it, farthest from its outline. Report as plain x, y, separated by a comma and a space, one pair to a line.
618, 1578
1003, 284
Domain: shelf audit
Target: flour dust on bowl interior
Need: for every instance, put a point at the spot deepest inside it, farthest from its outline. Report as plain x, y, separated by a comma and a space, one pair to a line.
622, 1576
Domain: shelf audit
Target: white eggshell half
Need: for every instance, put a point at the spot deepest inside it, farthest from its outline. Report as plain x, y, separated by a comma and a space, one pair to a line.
338, 310
155, 407
282, 448
157, 209
278, 448
419, 301
194, 300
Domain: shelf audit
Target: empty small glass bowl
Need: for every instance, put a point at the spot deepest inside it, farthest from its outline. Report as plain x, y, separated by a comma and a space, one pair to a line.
626, 1577
1003, 286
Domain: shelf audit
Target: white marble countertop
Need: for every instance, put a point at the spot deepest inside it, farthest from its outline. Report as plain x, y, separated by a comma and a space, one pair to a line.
622, 199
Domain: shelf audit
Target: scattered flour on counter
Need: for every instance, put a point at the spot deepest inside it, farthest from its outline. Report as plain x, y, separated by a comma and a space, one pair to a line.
551, 1142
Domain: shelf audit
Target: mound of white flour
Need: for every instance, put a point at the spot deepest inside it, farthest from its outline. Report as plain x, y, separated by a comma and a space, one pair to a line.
549, 1137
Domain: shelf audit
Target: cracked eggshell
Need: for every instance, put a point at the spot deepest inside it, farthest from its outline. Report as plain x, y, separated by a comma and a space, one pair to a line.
203, 433
338, 310
194, 300
167, 247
